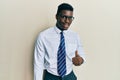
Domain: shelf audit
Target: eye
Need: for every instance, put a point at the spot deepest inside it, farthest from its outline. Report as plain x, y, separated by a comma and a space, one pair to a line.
64, 17
67, 17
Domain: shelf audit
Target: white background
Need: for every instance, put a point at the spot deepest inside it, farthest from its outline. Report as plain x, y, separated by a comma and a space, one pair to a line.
96, 21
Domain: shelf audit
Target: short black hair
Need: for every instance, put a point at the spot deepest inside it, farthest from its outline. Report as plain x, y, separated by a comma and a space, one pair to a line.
64, 6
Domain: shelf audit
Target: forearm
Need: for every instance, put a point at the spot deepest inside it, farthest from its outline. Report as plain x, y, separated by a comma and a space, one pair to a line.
38, 73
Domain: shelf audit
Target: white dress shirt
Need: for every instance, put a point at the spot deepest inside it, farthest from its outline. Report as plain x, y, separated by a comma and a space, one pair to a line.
46, 48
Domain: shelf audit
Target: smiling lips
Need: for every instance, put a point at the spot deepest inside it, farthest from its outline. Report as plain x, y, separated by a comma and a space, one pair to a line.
65, 25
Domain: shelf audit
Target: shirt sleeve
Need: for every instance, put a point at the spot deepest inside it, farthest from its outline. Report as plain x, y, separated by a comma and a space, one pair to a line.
80, 48
38, 59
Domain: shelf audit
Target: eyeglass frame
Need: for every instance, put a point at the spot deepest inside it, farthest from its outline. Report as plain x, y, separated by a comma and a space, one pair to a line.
70, 18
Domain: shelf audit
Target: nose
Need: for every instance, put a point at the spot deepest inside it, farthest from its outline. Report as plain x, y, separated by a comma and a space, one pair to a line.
67, 20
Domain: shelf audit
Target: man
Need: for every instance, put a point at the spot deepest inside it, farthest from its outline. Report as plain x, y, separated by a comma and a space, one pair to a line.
58, 48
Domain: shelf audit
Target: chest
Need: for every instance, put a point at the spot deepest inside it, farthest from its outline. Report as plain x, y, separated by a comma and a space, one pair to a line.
54, 41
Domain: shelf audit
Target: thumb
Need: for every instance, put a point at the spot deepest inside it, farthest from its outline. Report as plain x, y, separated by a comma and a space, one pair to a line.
76, 54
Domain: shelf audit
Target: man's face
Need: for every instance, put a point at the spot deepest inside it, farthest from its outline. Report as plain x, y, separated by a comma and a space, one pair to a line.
64, 19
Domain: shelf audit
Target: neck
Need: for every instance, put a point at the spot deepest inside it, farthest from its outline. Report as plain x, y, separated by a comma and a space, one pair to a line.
58, 26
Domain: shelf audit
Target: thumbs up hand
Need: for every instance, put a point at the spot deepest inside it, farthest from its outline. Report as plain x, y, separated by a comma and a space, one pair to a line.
77, 60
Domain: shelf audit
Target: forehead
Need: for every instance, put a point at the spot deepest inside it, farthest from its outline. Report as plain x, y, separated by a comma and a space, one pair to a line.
66, 12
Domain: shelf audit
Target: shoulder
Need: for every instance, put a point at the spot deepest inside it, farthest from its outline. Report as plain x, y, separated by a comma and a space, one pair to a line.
46, 32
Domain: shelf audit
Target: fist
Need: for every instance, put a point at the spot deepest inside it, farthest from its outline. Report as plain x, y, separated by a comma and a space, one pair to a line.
77, 60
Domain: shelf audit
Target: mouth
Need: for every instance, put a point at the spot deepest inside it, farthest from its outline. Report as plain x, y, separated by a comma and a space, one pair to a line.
66, 25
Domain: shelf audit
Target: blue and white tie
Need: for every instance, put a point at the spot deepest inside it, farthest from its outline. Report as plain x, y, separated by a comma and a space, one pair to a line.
61, 57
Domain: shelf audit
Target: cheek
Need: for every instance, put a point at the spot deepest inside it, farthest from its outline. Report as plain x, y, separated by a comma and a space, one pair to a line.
70, 22
61, 21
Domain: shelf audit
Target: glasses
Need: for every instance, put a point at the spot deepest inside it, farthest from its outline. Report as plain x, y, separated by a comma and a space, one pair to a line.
71, 18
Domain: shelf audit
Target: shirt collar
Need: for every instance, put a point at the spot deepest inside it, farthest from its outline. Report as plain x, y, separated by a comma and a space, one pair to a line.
58, 30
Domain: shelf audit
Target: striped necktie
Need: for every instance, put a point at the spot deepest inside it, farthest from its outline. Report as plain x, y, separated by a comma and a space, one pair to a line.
61, 57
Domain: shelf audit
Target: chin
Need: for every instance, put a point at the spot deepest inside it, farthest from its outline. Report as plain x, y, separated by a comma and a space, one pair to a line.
65, 28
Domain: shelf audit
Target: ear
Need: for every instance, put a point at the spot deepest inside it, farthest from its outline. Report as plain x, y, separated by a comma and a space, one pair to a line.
56, 17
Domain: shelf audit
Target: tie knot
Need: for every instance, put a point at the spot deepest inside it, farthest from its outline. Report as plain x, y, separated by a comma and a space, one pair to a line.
61, 32
62, 36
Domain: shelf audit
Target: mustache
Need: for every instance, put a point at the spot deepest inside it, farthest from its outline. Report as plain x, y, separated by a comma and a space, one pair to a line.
66, 23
